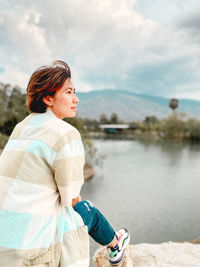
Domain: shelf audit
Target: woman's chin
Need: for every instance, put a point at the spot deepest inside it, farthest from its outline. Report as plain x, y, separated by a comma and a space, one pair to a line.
71, 116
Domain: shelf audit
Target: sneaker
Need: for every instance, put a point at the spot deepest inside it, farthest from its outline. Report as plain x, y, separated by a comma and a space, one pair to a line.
116, 254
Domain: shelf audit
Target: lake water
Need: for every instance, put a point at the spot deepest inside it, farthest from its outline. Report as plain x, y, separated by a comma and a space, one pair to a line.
151, 188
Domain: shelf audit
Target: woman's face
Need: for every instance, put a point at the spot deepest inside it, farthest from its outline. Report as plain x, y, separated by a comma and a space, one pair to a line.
64, 102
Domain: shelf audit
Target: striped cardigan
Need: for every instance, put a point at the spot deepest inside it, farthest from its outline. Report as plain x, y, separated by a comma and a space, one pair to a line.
41, 170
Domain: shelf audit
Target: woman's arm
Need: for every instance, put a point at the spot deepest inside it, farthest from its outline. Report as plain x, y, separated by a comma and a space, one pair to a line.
68, 167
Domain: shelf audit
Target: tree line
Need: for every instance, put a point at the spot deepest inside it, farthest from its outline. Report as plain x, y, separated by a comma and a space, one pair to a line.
13, 109
176, 126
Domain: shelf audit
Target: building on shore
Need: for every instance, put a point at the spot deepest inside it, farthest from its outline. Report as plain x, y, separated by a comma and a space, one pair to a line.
114, 128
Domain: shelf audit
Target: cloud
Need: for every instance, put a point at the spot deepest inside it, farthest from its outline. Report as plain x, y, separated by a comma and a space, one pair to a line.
165, 12
22, 41
188, 93
96, 35
166, 78
108, 44
191, 25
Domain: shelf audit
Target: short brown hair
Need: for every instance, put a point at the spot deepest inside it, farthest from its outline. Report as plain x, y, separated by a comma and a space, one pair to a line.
46, 80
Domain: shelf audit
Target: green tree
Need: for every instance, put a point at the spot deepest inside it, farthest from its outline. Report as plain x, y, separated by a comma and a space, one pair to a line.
172, 127
9, 125
17, 104
3, 140
114, 118
193, 129
103, 119
3, 101
12, 108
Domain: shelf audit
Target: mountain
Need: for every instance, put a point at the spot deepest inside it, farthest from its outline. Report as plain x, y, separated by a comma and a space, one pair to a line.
129, 106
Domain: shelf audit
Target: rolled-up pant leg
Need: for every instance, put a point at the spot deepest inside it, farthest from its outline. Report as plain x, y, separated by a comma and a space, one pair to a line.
98, 227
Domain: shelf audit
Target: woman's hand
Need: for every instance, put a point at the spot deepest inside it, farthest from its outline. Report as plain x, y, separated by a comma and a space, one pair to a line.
76, 200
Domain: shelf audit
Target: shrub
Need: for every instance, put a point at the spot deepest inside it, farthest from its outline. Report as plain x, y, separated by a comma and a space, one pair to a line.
3, 140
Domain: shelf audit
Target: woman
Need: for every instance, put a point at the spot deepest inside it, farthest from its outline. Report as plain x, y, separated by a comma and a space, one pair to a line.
43, 221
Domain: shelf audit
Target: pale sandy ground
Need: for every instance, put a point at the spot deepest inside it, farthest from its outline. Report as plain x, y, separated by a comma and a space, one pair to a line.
168, 254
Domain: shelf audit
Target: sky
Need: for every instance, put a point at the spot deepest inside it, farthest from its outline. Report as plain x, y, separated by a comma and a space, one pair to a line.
143, 46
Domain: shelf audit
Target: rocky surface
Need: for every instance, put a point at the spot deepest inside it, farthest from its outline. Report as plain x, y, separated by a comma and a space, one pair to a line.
168, 254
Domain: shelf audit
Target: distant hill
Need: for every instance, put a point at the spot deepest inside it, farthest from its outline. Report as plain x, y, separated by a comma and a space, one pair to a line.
130, 106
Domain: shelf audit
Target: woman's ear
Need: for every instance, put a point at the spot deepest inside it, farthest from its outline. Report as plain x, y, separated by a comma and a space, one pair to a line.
48, 100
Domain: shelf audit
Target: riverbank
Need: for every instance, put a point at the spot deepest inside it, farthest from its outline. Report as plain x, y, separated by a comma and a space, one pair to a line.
137, 135
175, 127
140, 136
102, 135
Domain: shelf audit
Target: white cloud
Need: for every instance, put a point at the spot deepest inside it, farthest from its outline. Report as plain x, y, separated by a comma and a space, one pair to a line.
22, 43
167, 11
188, 93
14, 76
101, 40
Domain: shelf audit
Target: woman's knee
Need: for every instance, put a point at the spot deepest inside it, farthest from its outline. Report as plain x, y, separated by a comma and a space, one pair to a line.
84, 205
87, 212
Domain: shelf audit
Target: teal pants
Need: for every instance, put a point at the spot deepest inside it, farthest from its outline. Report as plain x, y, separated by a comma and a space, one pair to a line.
98, 227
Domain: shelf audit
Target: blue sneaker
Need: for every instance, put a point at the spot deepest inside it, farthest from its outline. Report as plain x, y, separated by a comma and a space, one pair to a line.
116, 254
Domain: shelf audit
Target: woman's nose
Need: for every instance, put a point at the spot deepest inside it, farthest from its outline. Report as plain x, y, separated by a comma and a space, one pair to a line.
76, 99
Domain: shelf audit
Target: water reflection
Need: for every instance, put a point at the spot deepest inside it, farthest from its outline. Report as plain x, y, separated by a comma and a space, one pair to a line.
174, 150
152, 188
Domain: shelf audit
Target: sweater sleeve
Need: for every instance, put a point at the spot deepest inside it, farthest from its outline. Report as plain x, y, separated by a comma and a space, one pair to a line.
68, 166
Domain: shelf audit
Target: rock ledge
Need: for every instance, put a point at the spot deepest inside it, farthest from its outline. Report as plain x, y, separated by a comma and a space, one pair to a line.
168, 254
